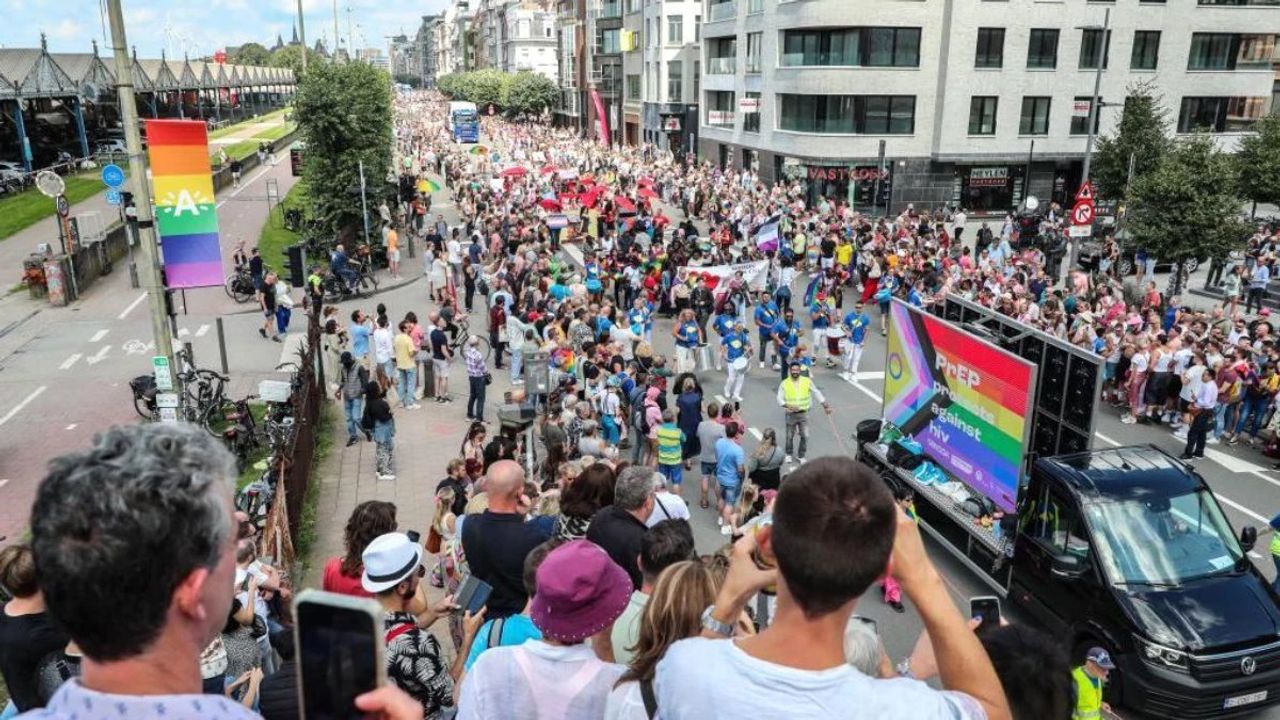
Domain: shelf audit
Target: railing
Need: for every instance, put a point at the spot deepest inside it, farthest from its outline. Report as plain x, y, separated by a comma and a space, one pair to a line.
722, 65
722, 11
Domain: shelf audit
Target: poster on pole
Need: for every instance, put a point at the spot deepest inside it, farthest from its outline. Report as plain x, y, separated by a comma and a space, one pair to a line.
967, 402
185, 208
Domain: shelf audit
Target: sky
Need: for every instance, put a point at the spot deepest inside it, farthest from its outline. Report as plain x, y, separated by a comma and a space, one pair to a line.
199, 27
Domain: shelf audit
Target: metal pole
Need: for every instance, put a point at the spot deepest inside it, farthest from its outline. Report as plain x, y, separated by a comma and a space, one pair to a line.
364, 206
1094, 101
875, 194
302, 39
1026, 176
335, 26
141, 194
222, 347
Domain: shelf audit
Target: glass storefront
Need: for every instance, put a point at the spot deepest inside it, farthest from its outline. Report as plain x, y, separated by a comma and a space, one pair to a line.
988, 188
854, 184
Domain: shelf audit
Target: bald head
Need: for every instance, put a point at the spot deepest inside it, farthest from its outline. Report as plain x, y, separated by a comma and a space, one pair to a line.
505, 480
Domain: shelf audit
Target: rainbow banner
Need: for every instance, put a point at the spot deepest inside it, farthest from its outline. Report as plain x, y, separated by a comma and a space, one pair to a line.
967, 402
186, 216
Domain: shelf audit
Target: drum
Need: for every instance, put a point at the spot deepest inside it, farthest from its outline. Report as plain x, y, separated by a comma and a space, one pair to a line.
740, 363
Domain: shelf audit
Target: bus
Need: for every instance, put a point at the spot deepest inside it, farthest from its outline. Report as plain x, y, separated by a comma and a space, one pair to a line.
464, 122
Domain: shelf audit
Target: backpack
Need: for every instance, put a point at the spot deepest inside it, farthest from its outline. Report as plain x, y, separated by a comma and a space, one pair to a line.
640, 421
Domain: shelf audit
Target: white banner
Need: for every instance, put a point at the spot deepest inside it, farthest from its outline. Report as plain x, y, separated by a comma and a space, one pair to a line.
754, 274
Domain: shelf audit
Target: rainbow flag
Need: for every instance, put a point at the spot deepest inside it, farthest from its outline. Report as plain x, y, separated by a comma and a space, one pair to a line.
427, 186
479, 150
186, 215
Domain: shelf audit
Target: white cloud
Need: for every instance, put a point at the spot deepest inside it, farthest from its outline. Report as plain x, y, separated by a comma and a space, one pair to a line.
67, 29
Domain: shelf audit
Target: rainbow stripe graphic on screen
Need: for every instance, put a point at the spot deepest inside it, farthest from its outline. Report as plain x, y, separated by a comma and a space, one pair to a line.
966, 402
186, 216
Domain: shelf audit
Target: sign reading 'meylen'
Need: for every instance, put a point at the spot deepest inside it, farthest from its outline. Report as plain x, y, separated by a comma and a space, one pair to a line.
856, 174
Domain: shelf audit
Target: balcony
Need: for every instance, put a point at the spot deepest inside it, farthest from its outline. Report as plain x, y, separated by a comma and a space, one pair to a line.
721, 65
611, 9
722, 11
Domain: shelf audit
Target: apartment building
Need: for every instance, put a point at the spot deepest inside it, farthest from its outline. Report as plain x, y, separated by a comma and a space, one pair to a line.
425, 47
528, 39
976, 103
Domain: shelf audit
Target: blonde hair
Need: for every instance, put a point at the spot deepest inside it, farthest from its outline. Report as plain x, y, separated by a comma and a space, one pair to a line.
478, 504
673, 613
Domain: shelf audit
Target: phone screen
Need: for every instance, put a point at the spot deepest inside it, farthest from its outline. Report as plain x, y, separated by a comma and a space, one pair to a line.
988, 608
338, 658
473, 594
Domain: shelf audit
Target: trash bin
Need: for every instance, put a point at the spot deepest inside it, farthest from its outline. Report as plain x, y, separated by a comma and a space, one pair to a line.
33, 276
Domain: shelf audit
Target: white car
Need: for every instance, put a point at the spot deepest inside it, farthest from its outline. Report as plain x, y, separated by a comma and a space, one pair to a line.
11, 173
111, 146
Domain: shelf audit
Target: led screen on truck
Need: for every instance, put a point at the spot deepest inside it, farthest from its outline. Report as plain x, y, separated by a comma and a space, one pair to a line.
967, 402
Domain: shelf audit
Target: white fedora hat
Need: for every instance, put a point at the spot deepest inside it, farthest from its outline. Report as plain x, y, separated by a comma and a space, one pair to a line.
388, 560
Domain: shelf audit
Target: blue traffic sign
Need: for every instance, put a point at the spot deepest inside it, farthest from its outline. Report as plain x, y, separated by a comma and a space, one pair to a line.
113, 197
112, 175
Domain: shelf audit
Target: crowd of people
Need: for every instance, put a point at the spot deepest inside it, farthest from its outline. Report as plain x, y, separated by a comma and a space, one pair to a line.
601, 606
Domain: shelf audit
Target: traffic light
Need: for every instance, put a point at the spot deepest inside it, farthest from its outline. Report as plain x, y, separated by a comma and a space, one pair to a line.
296, 261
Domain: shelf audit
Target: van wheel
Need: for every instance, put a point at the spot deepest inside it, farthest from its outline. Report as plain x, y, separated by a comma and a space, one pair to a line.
1114, 691
1124, 266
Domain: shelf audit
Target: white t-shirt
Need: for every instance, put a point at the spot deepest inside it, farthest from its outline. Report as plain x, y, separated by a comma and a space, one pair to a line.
701, 678
454, 249
674, 506
625, 703
554, 682
383, 350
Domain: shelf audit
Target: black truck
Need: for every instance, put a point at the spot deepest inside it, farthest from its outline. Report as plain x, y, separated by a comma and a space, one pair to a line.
1125, 548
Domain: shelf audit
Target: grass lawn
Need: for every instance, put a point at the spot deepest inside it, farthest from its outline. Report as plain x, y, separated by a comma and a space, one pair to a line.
274, 238
241, 150
251, 471
22, 210
276, 132
277, 116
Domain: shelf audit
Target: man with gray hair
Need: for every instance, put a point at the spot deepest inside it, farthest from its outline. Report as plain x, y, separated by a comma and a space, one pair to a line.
619, 528
135, 547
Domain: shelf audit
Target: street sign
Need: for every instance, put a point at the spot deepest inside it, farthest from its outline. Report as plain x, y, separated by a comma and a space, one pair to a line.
49, 183
1085, 194
1082, 213
114, 197
112, 175
274, 390
169, 415
167, 400
160, 369
64, 207
749, 105
1080, 108
1079, 231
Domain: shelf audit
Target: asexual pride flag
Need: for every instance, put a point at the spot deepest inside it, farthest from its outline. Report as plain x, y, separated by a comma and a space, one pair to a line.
186, 218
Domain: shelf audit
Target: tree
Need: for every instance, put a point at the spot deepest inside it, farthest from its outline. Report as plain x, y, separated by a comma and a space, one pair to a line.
450, 85
529, 94
344, 112
1143, 133
1188, 205
485, 87
409, 79
1259, 162
290, 56
251, 54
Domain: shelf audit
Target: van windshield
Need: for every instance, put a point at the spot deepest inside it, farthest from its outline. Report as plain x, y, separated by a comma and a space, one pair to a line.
1164, 540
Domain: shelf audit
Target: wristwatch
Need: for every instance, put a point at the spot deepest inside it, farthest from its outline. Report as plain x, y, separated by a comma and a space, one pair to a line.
710, 623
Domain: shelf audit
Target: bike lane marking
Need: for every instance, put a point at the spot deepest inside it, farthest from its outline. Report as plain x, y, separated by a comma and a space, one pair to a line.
132, 305
98, 336
26, 401
66, 364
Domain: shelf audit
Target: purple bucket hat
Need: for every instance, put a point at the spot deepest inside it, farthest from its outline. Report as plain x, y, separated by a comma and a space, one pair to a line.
581, 591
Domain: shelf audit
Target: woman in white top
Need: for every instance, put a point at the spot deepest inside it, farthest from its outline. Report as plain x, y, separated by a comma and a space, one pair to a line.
438, 271
673, 612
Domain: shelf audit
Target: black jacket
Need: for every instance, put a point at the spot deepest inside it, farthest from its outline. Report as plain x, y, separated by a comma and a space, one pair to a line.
278, 694
619, 533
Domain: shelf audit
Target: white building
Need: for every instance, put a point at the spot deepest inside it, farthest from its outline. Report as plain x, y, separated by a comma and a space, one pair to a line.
529, 40
971, 102
661, 67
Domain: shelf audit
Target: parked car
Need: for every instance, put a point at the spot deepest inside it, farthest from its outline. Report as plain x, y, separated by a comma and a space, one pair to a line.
111, 146
11, 175
1091, 251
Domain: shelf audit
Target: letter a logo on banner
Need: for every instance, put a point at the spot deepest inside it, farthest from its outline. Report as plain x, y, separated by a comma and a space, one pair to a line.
1085, 194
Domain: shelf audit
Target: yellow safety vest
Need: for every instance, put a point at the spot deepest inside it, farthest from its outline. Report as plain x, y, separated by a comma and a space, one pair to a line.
1275, 543
797, 392
1088, 696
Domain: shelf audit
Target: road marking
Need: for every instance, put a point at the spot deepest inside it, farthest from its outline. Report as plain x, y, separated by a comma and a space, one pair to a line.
248, 182
183, 332
870, 375
135, 347
1259, 473
1106, 439
98, 336
1232, 463
72, 426
870, 393
1241, 508
200, 331
4, 482
132, 305
27, 401
755, 433
99, 356
66, 364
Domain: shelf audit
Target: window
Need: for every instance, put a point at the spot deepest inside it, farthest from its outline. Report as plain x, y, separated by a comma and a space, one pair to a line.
753, 51
1093, 46
982, 115
852, 47
1230, 51
720, 108
848, 114
1240, 2
755, 6
1042, 50
1220, 114
990, 53
610, 41
1146, 50
675, 81
751, 120
697, 77
675, 29
722, 56
697, 28
1035, 116
633, 87
1080, 123
722, 10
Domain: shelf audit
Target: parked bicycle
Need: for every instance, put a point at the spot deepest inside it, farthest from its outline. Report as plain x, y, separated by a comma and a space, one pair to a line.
239, 284
234, 422
459, 341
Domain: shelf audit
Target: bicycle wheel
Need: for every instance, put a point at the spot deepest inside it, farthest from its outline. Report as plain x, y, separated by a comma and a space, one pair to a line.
141, 407
214, 419
369, 280
483, 346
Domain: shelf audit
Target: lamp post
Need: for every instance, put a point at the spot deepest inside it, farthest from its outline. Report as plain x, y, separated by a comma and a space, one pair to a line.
1094, 100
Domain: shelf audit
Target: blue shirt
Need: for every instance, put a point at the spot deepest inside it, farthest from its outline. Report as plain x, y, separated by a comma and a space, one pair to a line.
724, 323
914, 298
359, 341
688, 335
73, 700
516, 629
729, 455
735, 344
640, 320
559, 292
603, 325
788, 335
766, 317
819, 312
856, 324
